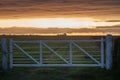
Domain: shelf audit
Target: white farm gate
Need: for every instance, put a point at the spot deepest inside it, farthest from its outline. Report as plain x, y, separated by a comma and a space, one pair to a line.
61, 53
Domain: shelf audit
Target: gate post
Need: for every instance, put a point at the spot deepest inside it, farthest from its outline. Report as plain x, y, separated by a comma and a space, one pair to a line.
70, 51
108, 52
4, 54
11, 53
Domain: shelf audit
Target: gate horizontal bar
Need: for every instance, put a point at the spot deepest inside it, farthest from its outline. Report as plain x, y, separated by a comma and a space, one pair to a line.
56, 65
37, 41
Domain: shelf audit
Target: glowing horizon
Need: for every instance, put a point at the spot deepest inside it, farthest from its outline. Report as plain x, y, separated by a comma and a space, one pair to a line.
55, 22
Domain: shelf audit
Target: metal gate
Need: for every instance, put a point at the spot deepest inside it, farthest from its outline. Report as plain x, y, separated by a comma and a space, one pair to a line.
57, 53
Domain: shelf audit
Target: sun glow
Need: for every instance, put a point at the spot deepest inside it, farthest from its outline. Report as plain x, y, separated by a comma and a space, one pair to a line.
53, 22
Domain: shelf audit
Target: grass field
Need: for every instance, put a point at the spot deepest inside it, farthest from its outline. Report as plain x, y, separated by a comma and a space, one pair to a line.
53, 73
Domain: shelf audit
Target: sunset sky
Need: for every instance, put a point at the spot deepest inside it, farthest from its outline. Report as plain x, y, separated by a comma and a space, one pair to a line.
59, 13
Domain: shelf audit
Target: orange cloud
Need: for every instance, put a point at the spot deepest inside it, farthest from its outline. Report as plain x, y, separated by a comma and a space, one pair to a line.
105, 9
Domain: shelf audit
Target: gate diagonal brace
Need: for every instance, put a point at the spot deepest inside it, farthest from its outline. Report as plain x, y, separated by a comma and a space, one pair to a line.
26, 53
55, 53
85, 52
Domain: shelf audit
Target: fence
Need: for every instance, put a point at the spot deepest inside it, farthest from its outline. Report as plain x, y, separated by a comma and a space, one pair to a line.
58, 53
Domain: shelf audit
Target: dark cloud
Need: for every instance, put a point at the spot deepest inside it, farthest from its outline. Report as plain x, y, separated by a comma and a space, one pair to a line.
113, 21
55, 8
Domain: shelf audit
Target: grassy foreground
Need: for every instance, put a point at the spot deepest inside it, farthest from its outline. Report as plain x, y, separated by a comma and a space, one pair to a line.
65, 73
61, 73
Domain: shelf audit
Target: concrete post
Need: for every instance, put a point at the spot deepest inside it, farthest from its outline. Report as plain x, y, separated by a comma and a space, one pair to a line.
4, 54
108, 52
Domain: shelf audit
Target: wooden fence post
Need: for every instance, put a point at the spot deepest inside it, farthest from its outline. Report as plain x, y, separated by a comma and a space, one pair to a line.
4, 54
108, 52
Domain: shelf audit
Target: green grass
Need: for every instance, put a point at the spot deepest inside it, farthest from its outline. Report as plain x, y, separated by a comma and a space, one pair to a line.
65, 73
